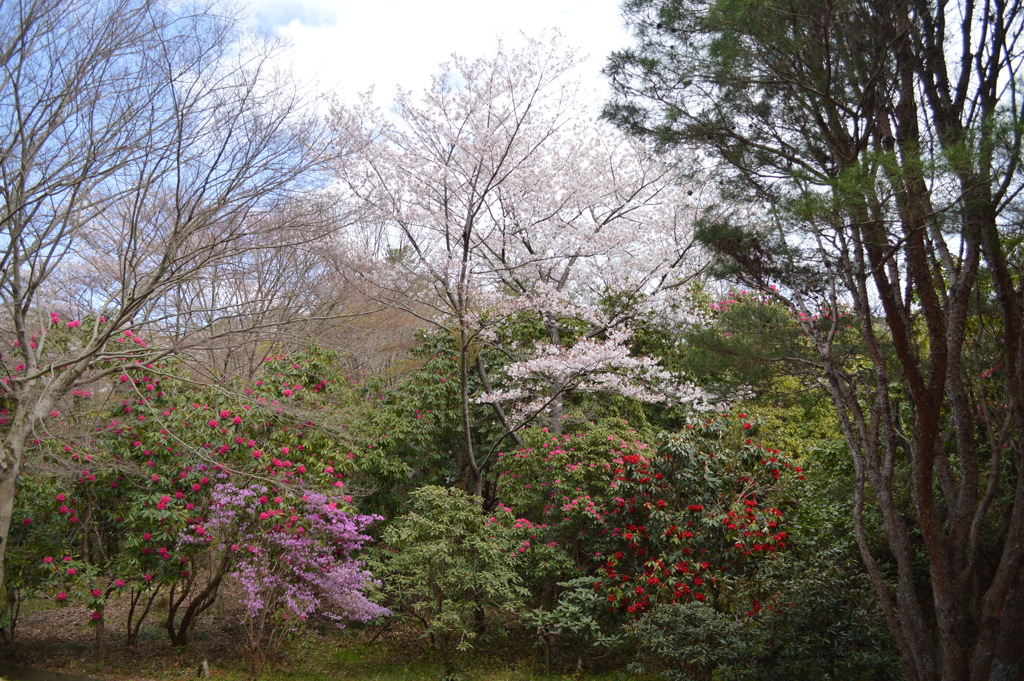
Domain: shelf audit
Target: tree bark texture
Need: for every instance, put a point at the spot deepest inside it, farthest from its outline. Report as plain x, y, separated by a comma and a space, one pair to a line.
882, 143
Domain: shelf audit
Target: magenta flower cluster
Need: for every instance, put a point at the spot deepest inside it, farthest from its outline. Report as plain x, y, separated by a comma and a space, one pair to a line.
293, 556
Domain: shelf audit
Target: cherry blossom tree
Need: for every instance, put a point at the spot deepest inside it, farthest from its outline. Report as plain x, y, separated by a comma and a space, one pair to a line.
493, 200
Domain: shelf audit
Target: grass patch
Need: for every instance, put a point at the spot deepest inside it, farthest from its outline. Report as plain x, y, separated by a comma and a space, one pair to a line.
59, 638
350, 656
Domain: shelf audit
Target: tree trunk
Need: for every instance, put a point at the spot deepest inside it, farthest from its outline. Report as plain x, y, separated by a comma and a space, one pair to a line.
13, 609
179, 634
133, 623
101, 639
8, 478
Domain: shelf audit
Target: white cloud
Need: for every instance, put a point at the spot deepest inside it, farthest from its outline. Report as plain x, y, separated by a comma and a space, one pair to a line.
346, 47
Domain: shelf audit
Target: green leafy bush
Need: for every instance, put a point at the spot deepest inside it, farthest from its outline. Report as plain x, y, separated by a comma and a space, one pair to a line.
445, 563
821, 623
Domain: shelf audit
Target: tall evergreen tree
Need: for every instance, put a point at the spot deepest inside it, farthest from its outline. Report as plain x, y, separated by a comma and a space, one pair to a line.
876, 144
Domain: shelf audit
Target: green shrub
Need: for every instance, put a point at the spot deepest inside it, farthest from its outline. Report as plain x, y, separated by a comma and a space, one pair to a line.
444, 564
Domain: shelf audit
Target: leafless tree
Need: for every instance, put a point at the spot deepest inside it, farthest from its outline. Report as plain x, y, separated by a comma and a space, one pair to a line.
144, 147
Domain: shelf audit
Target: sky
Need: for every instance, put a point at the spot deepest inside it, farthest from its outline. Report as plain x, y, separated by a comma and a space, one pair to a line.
345, 47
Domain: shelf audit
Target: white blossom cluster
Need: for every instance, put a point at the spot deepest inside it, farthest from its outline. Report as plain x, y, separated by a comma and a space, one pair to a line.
495, 200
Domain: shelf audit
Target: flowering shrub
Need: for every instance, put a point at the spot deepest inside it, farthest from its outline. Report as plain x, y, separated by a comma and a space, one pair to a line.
296, 556
553, 490
116, 481
693, 519
822, 622
294, 559
689, 520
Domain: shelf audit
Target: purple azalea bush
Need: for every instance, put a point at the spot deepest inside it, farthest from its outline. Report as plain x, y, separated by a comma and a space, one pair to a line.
292, 556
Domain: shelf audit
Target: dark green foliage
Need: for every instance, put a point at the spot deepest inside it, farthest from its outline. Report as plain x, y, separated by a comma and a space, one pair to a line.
422, 430
824, 622
749, 341
575, 625
871, 153
821, 623
691, 641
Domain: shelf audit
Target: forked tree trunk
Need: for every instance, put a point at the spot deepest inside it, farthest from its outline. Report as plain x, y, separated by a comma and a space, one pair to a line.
179, 633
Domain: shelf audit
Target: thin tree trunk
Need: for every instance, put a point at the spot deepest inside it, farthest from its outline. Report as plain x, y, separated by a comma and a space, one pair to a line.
101, 638
7, 489
133, 624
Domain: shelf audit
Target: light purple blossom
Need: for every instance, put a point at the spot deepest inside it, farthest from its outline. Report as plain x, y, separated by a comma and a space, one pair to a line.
297, 562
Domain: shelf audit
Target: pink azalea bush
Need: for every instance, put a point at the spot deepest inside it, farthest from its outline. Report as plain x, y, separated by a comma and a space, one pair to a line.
294, 559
